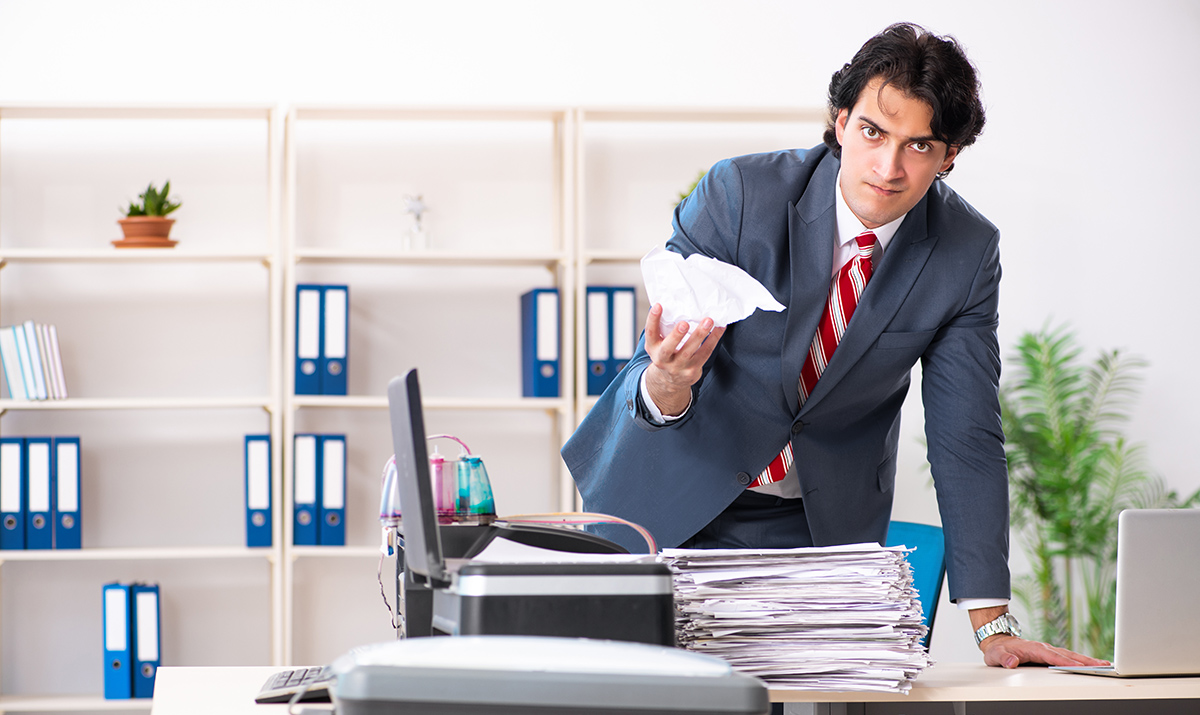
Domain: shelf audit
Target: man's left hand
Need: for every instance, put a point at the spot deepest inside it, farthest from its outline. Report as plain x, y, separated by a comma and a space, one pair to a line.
1008, 651
1005, 651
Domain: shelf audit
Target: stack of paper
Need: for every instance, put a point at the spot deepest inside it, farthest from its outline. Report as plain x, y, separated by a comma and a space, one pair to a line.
827, 618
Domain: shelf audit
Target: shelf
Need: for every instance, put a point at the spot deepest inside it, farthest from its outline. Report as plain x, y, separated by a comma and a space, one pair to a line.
430, 113
156, 553
335, 552
128, 255
433, 403
139, 403
431, 258
612, 257
114, 111
76, 703
704, 114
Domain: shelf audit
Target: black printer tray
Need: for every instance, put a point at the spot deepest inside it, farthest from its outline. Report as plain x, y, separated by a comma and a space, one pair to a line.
611, 601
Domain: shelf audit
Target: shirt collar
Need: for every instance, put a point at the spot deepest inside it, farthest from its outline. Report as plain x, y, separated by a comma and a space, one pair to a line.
849, 227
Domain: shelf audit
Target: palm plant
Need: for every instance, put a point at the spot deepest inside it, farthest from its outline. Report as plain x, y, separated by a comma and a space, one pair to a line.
1070, 475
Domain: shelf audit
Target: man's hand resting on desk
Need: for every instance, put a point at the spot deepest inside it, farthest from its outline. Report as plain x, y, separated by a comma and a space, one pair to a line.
1008, 651
670, 378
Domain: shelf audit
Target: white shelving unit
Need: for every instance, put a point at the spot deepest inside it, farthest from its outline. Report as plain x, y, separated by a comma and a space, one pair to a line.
88, 252
519, 198
401, 143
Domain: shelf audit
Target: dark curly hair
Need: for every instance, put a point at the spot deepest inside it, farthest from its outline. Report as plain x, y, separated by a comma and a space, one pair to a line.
923, 66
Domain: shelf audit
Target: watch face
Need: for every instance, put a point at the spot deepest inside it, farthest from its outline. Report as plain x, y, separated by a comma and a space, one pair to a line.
1014, 627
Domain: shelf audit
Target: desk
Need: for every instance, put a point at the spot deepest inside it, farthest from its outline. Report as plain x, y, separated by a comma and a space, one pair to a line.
204, 691
231, 691
962, 683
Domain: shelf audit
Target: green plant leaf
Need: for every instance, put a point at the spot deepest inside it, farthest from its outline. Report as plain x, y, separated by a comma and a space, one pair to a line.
1071, 473
153, 203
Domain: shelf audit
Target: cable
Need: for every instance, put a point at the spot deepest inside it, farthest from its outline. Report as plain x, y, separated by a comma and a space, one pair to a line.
580, 518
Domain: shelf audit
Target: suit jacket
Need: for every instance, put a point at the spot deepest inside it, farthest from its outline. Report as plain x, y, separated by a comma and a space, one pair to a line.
932, 297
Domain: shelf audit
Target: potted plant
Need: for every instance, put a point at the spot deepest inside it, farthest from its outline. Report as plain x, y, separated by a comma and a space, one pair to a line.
146, 224
1071, 472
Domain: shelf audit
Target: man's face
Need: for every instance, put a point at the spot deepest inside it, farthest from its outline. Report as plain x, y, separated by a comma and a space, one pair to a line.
889, 155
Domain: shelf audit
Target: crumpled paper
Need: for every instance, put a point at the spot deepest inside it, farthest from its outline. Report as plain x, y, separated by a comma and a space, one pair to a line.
697, 287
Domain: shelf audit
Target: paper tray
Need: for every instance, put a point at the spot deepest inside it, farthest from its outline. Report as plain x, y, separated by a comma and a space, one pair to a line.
627, 602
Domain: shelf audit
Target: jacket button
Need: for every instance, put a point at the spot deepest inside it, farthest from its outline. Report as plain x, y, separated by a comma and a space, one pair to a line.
743, 478
798, 428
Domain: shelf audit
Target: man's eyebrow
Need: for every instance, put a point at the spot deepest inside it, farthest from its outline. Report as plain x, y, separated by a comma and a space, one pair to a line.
927, 138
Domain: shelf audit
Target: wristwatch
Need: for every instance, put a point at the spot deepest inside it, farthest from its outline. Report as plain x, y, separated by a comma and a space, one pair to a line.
1004, 623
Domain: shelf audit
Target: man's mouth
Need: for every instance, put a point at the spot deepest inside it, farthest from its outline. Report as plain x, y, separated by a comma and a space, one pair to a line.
882, 191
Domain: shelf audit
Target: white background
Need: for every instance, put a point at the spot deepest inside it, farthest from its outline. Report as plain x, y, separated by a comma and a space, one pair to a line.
1088, 162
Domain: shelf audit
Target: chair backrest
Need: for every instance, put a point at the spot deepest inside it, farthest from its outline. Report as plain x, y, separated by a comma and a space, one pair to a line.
928, 563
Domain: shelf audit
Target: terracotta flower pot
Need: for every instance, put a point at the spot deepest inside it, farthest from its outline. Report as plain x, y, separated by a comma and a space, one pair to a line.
146, 232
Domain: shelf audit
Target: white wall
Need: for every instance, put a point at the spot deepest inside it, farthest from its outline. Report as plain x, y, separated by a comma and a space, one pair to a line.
1087, 163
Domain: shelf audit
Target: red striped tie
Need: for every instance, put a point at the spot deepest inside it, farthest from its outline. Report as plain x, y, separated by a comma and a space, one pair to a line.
844, 291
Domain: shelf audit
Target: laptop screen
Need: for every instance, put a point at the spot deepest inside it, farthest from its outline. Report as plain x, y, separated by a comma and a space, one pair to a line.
422, 540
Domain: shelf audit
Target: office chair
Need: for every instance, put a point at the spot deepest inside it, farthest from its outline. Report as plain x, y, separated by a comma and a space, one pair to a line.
928, 563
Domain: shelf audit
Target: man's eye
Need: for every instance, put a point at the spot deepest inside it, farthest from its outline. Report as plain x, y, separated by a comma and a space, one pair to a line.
870, 132
922, 147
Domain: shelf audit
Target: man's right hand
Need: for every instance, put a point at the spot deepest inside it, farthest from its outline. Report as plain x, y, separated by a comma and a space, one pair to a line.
675, 369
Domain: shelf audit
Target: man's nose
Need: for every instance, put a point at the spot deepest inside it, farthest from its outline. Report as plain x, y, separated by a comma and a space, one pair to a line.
889, 165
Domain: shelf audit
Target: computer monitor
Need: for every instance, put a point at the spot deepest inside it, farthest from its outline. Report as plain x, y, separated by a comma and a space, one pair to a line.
422, 539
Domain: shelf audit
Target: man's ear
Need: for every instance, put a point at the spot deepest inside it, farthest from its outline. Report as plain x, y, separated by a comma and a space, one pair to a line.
951, 153
839, 126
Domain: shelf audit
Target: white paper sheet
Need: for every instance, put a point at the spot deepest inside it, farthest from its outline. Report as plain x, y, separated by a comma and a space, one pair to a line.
697, 287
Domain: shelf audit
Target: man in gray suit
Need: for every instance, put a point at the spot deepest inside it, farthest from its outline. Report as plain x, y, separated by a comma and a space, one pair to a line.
692, 439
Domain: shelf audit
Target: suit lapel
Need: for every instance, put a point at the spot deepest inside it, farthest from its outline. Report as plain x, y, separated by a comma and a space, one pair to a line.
812, 226
890, 284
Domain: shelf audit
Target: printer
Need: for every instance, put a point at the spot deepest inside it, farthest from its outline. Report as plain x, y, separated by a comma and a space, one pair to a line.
444, 591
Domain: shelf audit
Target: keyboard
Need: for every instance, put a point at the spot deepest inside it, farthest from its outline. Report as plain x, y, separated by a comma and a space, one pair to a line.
281, 687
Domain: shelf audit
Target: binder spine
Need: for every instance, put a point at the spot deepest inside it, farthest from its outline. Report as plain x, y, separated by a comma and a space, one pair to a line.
67, 523
540, 338
624, 328
333, 490
11, 358
43, 342
258, 490
35, 360
308, 339
147, 638
39, 517
56, 361
599, 339
12, 493
305, 490
335, 332
118, 642
24, 358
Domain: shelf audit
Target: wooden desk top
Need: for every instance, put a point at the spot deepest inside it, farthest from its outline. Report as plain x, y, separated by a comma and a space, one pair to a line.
231, 690
974, 682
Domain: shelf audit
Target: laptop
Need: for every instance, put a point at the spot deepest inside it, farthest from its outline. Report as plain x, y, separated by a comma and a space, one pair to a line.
1158, 581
